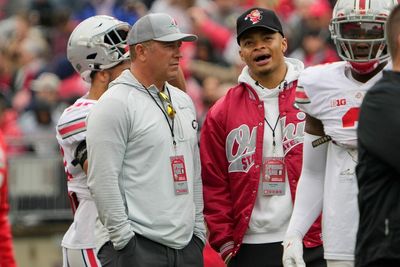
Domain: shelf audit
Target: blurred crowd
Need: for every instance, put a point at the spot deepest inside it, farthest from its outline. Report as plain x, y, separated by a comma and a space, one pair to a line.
37, 82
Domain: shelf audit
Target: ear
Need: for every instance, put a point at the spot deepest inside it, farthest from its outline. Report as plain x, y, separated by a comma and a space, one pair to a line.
284, 45
141, 51
104, 76
241, 55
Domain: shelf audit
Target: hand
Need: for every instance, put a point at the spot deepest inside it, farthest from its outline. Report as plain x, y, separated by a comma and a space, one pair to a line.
293, 252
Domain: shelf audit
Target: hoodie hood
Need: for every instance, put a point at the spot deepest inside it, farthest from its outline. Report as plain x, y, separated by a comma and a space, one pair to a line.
295, 67
127, 78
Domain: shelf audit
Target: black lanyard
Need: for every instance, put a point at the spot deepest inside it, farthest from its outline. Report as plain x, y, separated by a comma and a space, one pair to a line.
273, 130
171, 126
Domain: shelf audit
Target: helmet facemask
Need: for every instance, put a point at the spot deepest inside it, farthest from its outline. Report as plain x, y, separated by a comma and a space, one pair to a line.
359, 33
97, 44
115, 49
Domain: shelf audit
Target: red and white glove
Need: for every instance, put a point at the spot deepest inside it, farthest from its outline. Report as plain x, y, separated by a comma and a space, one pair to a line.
293, 251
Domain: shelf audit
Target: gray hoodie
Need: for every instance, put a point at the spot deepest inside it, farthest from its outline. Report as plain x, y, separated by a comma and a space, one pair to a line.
129, 146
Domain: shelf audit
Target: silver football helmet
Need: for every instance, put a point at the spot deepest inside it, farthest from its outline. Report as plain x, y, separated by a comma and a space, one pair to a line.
358, 31
96, 44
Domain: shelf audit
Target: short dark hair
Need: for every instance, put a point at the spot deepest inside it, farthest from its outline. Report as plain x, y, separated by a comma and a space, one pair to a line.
393, 31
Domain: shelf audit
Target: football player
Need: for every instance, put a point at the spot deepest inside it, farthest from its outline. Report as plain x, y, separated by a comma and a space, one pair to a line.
97, 50
331, 96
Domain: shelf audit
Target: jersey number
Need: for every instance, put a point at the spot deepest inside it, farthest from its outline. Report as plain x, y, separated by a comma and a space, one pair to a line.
350, 117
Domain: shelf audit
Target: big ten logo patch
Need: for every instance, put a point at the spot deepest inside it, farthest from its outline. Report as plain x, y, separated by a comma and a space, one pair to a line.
338, 102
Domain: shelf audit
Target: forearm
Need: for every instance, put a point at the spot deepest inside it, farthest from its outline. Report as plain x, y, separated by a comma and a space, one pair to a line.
103, 184
218, 205
309, 194
218, 211
106, 143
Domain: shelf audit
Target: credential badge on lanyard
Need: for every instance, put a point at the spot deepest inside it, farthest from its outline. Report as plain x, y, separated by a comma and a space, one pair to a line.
179, 175
274, 175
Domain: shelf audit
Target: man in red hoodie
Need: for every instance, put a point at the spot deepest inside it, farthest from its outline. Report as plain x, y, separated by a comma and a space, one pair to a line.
6, 246
251, 151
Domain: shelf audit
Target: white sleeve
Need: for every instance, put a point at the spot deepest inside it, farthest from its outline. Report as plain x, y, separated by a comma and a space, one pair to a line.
310, 190
107, 132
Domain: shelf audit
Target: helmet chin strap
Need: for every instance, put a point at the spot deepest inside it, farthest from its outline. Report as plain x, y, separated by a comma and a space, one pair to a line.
364, 67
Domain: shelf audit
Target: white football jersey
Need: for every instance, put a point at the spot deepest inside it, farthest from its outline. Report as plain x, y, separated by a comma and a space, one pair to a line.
326, 93
71, 131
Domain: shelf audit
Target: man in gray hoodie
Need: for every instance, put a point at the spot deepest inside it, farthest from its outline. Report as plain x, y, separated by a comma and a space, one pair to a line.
144, 171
